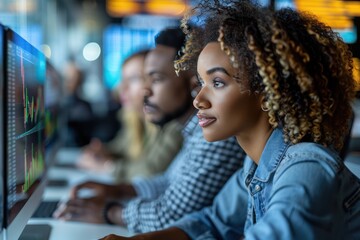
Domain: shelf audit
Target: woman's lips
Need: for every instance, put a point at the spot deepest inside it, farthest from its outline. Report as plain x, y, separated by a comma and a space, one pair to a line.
205, 121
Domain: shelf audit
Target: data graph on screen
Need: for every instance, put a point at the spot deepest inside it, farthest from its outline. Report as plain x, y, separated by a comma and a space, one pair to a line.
32, 107
34, 170
25, 123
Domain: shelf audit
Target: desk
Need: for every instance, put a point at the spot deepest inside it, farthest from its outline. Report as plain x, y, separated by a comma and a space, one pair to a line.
75, 230
73, 176
61, 230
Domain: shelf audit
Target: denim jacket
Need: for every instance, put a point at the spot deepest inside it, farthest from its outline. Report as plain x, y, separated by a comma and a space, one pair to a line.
301, 191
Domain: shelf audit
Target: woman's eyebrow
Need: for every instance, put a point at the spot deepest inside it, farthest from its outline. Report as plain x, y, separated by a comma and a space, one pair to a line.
217, 69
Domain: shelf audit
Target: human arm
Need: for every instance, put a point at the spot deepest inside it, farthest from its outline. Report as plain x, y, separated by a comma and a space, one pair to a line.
108, 191
201, 171
304, 204
170, 233
147, 188
82, 210
92, 209
225, 218
95, 157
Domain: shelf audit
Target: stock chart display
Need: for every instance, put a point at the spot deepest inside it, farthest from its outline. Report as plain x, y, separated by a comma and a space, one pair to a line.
25, 121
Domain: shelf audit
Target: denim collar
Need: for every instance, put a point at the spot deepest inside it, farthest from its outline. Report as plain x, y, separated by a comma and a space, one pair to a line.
270, 159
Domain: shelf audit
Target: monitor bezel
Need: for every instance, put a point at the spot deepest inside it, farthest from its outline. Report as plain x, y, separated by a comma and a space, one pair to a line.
13, 230
2, 129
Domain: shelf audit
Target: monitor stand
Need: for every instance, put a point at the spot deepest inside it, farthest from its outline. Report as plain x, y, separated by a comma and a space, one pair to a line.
36, 232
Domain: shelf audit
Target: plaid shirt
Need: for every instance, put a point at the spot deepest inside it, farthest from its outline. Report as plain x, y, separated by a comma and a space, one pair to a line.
190, 183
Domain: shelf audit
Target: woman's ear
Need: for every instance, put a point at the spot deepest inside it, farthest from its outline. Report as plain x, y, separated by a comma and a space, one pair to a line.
263, 103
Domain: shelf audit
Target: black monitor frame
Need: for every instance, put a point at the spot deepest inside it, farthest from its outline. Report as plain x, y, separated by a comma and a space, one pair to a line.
13, 225
2, 139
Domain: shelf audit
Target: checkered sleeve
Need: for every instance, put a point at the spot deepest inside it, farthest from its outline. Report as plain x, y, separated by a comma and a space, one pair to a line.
204, 169
150, 188
153, 187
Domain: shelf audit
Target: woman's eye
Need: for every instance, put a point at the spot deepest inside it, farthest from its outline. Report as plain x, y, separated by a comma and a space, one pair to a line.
218, 84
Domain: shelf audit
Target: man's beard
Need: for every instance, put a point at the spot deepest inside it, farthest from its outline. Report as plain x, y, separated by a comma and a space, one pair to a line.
179, 112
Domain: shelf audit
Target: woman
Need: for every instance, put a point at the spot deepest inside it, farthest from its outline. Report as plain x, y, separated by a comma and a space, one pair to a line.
281, 82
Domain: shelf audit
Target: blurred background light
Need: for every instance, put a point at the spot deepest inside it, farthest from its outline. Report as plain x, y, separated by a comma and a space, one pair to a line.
91, 51
46, 50
337, 14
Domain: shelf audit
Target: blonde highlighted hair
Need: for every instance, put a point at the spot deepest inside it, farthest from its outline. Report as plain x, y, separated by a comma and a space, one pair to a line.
299, 65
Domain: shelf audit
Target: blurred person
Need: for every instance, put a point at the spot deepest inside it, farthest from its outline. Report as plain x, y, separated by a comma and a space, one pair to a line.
78, 111
192, 180
139, 148
282, 83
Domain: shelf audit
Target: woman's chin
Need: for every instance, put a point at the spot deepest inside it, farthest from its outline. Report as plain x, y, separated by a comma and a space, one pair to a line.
213, 138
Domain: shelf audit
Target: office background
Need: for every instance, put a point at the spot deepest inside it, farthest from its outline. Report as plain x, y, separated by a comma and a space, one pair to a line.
99, 34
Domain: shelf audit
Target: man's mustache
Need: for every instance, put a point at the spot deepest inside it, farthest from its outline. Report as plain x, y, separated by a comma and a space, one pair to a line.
148, 103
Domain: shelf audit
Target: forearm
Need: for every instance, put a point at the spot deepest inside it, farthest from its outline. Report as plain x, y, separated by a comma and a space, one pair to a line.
151, 188
170, 233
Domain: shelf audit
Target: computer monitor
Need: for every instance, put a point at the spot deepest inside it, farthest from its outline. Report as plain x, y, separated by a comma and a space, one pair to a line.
24, 134
54, 121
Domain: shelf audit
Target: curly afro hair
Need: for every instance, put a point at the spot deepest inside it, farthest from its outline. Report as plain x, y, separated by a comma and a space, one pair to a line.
299, 65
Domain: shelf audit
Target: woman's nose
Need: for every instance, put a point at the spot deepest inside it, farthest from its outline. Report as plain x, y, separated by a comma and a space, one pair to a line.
201, 103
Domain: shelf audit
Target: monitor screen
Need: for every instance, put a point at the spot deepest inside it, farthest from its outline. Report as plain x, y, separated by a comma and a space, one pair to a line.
24, 115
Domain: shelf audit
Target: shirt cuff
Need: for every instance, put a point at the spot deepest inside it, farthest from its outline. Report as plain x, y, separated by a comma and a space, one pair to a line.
130, 215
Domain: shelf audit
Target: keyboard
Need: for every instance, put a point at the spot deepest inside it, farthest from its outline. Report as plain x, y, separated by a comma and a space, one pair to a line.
36, 232
57, 183
46, 209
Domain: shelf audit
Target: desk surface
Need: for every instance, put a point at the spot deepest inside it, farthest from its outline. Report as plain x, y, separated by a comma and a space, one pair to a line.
74, 230
73, 177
